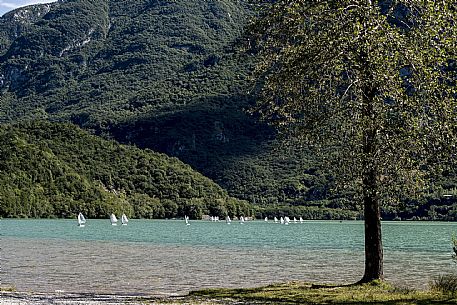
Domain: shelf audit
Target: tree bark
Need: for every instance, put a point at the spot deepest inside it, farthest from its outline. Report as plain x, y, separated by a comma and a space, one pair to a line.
373, 240
372, 214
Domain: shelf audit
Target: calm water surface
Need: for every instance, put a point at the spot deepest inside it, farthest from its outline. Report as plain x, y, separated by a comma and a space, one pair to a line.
168, 257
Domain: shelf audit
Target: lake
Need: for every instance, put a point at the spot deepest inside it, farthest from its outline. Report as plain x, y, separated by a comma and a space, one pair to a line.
166, 257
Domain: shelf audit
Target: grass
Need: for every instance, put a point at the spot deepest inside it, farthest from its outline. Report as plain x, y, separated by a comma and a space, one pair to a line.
7, 289
373, 293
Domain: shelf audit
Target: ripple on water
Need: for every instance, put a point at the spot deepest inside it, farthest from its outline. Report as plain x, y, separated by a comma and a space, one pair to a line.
160, 257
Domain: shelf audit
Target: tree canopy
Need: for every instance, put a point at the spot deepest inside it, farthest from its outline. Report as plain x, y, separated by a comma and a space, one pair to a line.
59, 170
369, 86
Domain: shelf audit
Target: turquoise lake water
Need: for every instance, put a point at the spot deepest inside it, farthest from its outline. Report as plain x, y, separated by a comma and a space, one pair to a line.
166, 257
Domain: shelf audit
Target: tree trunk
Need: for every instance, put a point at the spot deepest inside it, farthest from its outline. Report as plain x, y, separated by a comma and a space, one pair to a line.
372, 213
373, 241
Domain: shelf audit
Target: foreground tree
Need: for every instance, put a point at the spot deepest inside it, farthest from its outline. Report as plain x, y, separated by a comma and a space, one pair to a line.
369, 86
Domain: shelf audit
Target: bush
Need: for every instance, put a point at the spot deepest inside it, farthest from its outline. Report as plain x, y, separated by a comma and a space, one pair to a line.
445, 284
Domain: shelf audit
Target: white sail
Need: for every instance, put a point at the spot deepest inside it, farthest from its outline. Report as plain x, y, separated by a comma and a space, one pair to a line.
295, 220
113, 219
186, 218
266, 218
241, 219
282, 220
124, 219
227, 219
81, 220
276, 220
301, 219
286, 220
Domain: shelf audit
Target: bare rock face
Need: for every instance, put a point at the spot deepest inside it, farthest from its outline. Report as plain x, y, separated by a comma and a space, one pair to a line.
44, 45
28, 14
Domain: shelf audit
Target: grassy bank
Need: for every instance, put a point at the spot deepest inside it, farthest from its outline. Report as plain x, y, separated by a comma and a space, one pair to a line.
305, 293
287, 293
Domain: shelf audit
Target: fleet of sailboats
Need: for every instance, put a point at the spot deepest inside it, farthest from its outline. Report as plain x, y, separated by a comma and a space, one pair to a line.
124, 219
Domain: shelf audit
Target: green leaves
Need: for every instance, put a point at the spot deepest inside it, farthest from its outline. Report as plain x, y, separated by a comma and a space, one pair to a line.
58, 170
333, 73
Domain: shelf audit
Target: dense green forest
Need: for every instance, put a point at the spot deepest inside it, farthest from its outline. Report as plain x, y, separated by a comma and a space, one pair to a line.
165, 76
58, 170
160, 75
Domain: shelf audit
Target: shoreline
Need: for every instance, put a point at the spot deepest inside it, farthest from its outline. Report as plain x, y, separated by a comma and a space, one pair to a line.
38, 298
29, 298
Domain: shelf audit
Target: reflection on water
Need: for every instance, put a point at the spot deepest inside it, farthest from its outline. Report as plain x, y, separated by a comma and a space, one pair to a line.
173, 258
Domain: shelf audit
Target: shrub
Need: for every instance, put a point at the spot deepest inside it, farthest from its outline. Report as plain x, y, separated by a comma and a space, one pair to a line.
445, 283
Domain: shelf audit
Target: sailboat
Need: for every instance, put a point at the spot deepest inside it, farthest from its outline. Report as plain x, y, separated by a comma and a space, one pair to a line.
186, 218
286, 220
81, 220
113, 220
276, 220
301, 219
241, 220
124, 219
282, 220
266, 218
295, 220
227, 220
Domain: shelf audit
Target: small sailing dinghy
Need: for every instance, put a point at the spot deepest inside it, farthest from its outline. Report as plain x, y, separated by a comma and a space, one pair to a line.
186, 218
124, 220
227, 220
113, 220
81, 220
276, 220
242, 220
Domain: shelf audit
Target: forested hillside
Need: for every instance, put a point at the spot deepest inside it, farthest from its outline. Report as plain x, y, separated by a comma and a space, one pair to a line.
163, 75
58, 170
158, 74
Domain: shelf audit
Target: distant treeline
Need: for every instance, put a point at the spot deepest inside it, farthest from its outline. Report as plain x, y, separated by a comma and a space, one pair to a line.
58, 170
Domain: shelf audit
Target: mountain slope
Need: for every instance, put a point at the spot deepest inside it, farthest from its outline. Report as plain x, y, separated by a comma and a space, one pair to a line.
165, 75
57, 170
162, 75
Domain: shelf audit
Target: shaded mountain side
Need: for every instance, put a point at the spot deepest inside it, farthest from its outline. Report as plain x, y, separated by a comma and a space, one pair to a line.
158, 74
223, 142
58, 170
